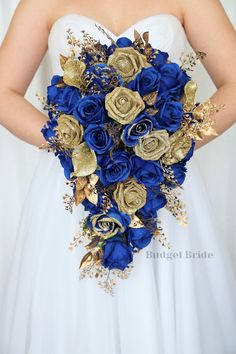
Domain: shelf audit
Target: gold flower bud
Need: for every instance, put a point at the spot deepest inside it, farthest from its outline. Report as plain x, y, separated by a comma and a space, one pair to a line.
180, 145
153, 145
84, 161
73, 70
128, 62
123, 104
69, 131
105, 225
130, 196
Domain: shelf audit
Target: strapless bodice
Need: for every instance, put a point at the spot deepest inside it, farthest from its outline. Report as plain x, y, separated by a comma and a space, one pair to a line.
165, 33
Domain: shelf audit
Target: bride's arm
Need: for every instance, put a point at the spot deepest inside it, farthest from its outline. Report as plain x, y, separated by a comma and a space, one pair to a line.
209, 29
22, 50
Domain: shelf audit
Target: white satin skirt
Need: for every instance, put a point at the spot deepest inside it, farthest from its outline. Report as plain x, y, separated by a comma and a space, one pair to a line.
176, 301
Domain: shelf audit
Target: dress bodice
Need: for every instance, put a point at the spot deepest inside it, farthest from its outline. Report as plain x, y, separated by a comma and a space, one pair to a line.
165, 33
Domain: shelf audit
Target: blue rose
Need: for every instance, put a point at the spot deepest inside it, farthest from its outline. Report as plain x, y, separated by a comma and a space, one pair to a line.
90, 109
179, 171
160, 59
165, 96
139, 237
146, 81
117, 254
102, 77
113, 222
173, 79
66, 163
140, 126
146, 172
48, 128
170, 115
155, 201
98, 138
124, 42
65, 98
114, 169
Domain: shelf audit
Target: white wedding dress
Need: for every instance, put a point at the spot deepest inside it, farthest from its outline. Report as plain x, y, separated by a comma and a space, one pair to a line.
166, 306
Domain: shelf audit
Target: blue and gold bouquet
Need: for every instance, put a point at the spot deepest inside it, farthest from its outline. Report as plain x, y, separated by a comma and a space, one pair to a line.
123, 121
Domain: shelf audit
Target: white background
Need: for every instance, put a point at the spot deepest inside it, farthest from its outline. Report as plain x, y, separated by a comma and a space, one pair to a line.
18, 159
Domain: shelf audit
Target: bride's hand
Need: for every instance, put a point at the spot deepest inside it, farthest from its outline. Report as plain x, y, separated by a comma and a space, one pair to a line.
209, 29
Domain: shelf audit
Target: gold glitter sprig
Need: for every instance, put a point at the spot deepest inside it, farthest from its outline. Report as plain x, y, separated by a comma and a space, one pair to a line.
106, 34
160, 236
200, 122
169, 175
174, 204
47, 107
69, 201
72, 41
94, 48
55, 145
188, 61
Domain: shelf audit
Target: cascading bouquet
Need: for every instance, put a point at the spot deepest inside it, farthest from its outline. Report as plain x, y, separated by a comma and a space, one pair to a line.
123, 121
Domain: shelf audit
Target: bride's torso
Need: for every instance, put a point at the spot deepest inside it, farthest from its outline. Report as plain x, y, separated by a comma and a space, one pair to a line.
166, 33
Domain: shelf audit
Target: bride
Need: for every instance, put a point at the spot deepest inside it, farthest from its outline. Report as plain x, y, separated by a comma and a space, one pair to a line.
170, 304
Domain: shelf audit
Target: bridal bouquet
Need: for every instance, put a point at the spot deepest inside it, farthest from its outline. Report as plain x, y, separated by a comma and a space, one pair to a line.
123, 121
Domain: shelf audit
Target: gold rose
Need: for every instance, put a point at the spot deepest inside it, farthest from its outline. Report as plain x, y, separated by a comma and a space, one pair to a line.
153, 145
123, 104
91, 258
110, 225
69, 131
128, 62
130, 196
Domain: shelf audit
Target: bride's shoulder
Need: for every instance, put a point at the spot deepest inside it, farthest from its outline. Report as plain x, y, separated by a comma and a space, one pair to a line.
39, 10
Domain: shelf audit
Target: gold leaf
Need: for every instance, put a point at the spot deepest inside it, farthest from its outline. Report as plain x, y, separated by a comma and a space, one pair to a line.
87, 260
81, 182
63, 60
91, 196
79, 196
61, 84
135, 222
84, 160
145, 37
198, 135
93, 243
190, 89
97, 256
150, 98
85, 188
152, 111
209, 131
137, 36
93, 179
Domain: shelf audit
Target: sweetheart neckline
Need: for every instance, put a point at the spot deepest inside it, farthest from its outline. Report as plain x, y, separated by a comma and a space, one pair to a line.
161, 14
